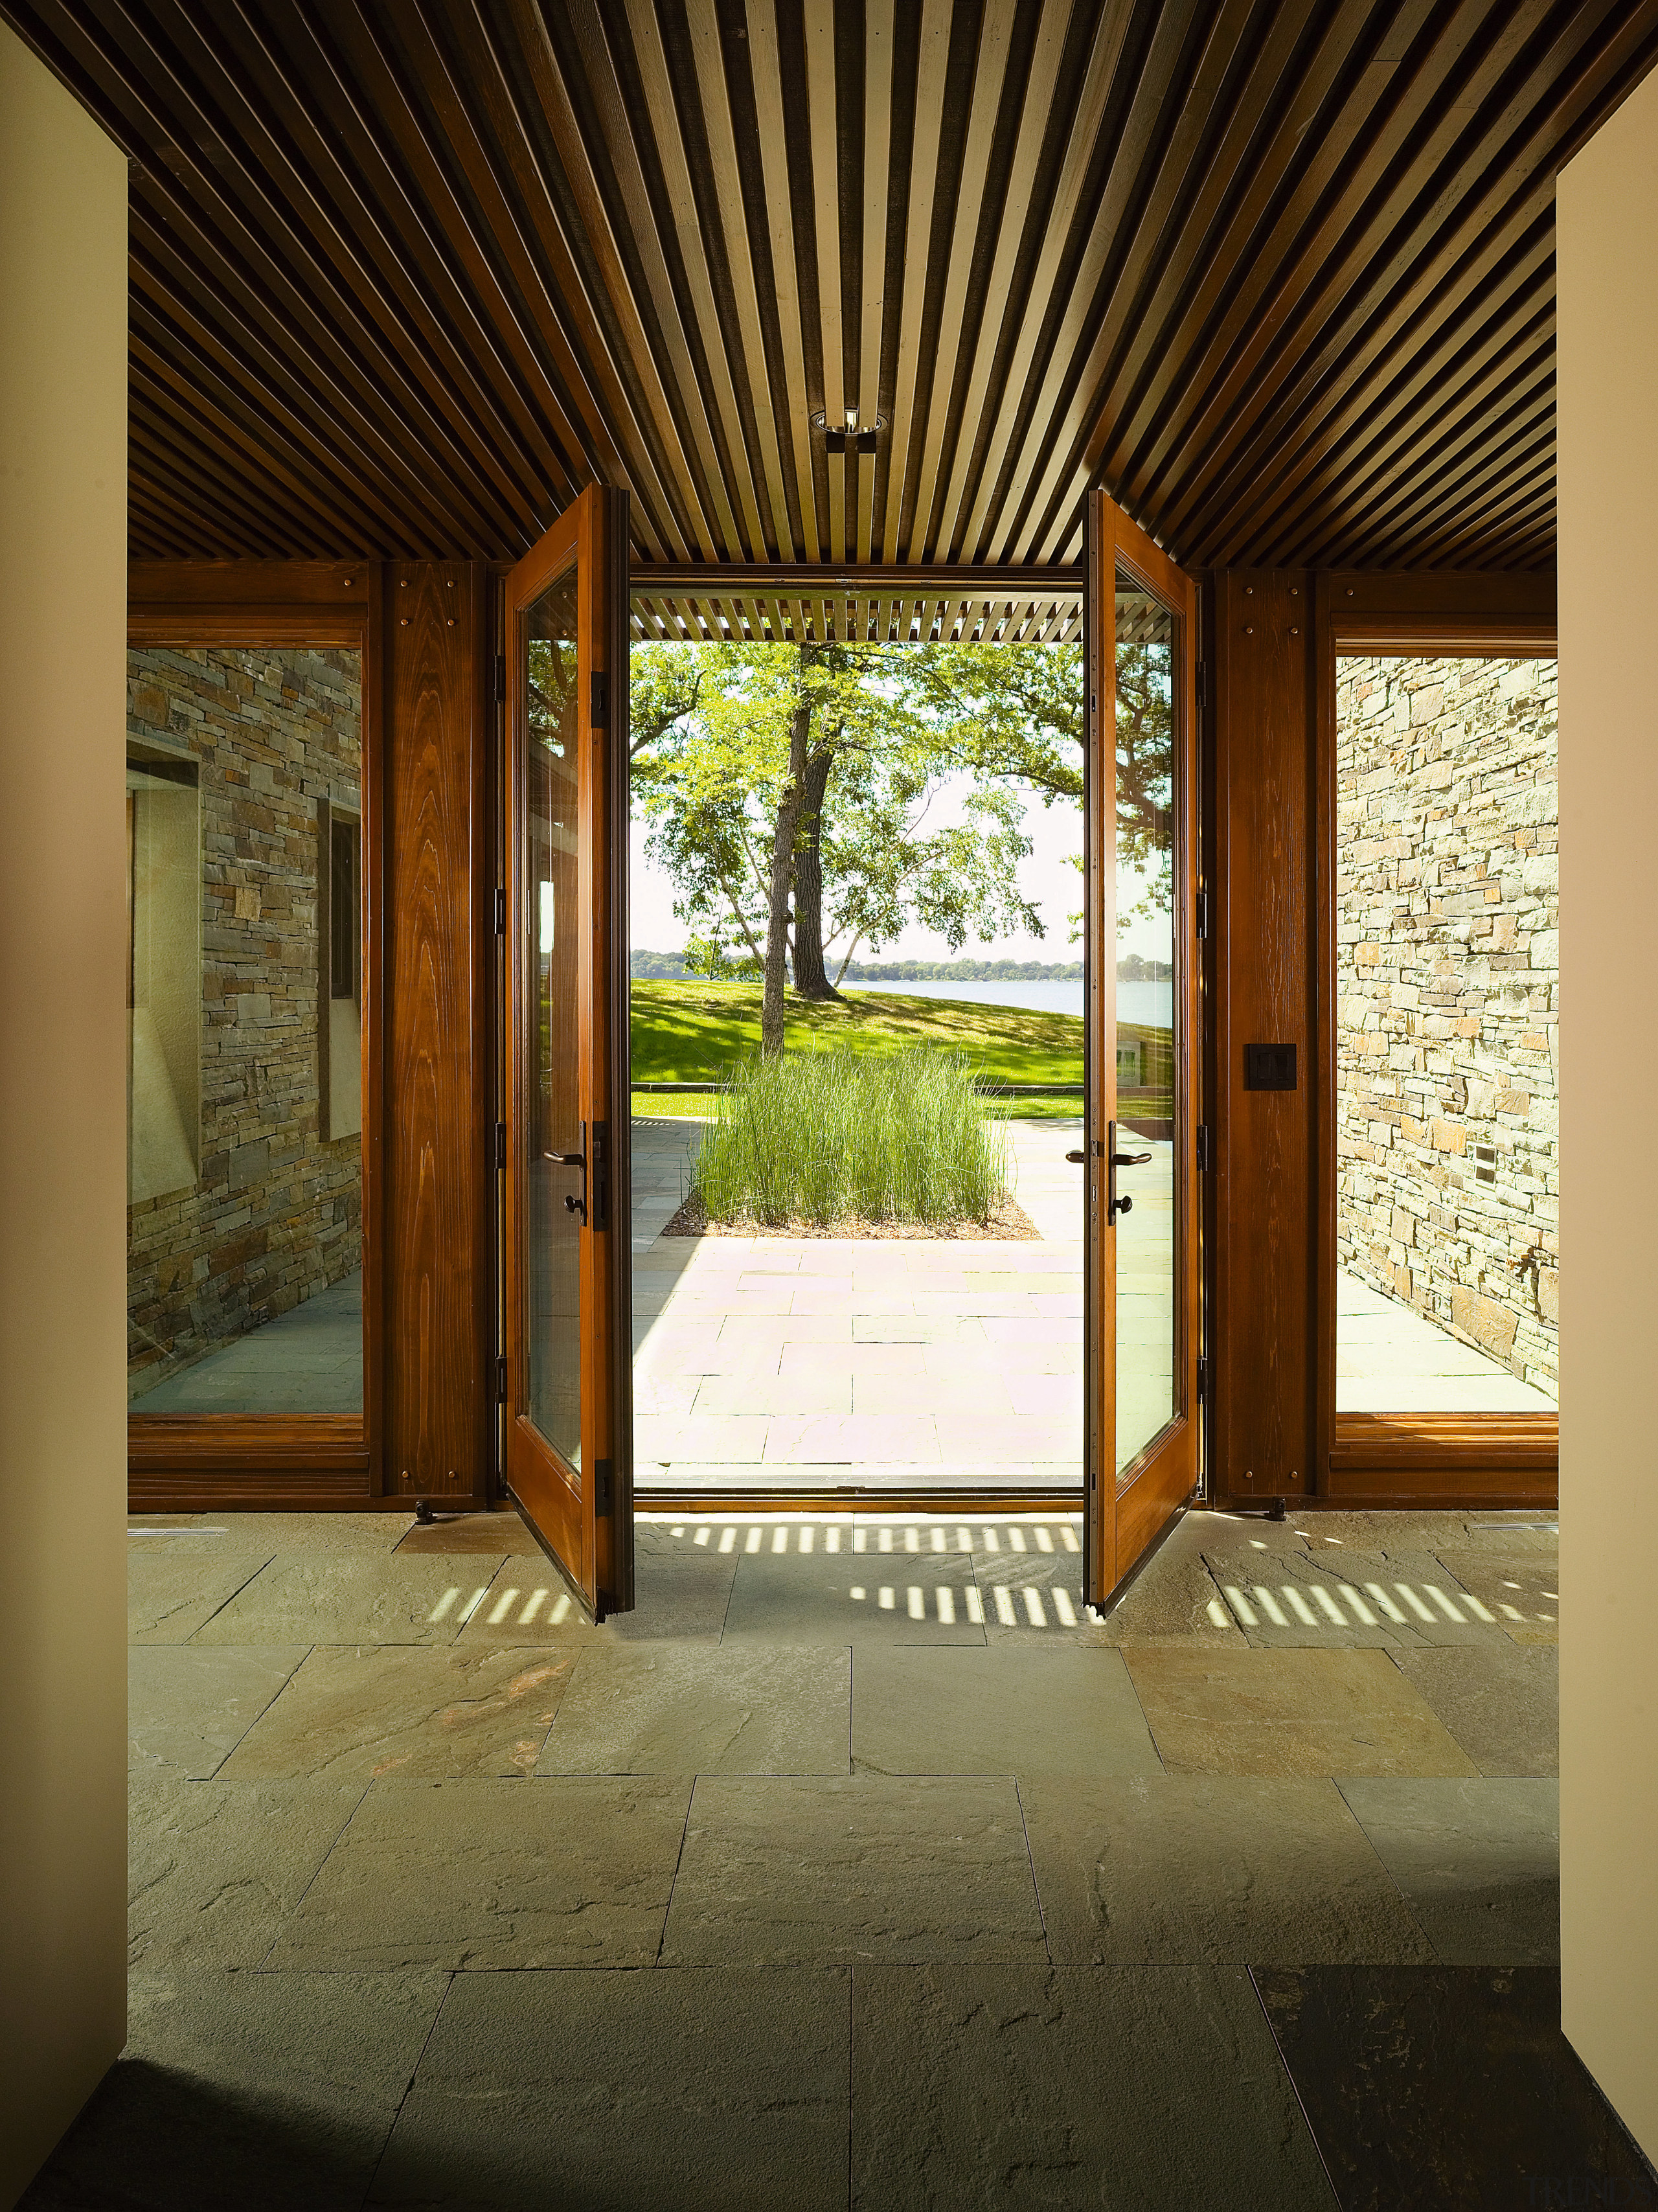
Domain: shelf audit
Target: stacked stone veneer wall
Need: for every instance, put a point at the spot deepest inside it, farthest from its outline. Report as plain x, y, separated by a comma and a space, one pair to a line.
1448, 989
275, 1213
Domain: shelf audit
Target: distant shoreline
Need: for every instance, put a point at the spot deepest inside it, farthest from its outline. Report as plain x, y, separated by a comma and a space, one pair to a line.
669, 966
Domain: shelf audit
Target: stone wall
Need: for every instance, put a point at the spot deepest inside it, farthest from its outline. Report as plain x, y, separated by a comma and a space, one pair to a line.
275, 1213
1448, 997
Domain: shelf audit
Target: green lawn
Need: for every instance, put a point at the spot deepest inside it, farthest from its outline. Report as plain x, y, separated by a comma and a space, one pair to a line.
686, 1032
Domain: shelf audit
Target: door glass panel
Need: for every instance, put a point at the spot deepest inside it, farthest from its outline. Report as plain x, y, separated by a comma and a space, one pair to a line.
244, 1060
1447, 1008
549, 822
1147, 1248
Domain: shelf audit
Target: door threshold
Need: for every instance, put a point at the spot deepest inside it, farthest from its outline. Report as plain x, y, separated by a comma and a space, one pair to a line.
847, 1498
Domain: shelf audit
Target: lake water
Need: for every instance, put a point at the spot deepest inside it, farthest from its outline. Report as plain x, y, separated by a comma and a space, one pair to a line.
1150, 1003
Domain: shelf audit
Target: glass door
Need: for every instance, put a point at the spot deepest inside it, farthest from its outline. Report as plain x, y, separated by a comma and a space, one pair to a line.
1143, 1288
567, 1336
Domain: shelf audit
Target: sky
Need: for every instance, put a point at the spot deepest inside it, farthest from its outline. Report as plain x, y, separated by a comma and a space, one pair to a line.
1047, 877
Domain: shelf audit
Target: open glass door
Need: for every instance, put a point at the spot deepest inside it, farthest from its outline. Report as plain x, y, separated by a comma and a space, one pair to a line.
567, 1332
1143, 1270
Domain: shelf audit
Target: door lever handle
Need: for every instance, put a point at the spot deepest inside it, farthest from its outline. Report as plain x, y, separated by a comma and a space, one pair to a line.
572, 1203
1077, 1159
580, 1159
1129, 1159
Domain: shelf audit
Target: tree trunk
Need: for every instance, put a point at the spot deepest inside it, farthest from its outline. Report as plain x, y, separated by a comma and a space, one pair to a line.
810, 980
782, 873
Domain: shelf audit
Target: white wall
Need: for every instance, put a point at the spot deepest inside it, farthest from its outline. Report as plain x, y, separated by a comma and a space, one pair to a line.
63, 1096
1608, 427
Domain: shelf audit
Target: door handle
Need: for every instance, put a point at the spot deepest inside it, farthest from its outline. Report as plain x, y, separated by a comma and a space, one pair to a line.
1129, 1159
1114, 1160
572, 1203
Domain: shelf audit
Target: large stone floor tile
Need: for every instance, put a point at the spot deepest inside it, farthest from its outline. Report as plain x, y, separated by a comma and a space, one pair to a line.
470, 1533
677, 1595
1284, 1600
853, 1598
970, 1436
1502, 1703
1172, 1597
486, 1874
1148, 2089
1421, 1600
309, 1597
828, 1872
717, 2091
703, 1709
262, 2091
1521, 1588
188, 1707
1291, 1712
171, 1594
1432, 2086
358, 1712
214, 1867
1478, 1863
270, 1531
1209, 1870
1061, 1710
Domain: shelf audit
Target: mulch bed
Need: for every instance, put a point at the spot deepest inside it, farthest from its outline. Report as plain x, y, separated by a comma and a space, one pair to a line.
1009, 1222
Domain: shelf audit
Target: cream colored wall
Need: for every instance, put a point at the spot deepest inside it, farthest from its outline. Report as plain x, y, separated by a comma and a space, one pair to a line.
63, 1095
1608, 429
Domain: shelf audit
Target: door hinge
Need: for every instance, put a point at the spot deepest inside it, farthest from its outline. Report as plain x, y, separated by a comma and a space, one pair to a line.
501, 1380
1203, 684
500, 679
501, 1144
500, 912
1203, 915
1203, 1147
1202, 1382
600, 718
601, 1489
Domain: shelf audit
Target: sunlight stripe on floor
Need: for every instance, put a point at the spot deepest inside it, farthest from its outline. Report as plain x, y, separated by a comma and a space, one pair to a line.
1217, 1612
831, 1540
1328, 1605
975, 1606
859, 1593
1421, 1611
728, 1539
1069, 1537
1016, 1541
1270, 1606
1366, 1617
533, 1606
885, 1598
1299, 1606
1389, 1610
1247, 1617
947, 1607
780, 1538
1446, 1605
440, 1610
964, 1539
806, 1537
503, 1606
1044, 1538
1063, 1606
561, 1609
1033, 1605
1478, 1611
916, 1603
1004, 1610
756, 1536
472, 1604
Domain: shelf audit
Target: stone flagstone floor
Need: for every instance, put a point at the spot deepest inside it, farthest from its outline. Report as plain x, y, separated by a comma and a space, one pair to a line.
798, 1886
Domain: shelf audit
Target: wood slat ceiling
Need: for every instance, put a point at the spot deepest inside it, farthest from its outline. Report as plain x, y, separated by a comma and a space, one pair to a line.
406, 274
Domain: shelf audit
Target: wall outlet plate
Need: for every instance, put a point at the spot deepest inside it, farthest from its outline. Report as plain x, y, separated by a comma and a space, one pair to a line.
1269, 1067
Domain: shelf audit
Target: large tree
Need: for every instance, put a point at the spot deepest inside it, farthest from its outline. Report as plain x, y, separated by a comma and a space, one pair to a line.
790, 802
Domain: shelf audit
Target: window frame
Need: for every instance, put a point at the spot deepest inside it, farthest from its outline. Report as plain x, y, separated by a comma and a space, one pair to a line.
1376, 1460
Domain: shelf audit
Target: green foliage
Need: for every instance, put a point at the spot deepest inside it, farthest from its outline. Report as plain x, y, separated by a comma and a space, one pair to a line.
712, 775
832, 1137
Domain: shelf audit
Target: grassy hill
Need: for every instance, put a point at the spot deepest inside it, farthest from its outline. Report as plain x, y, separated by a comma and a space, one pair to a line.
693, 1031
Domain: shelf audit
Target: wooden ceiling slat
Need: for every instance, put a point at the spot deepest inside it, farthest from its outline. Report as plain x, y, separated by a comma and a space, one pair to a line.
693, 250
407, 273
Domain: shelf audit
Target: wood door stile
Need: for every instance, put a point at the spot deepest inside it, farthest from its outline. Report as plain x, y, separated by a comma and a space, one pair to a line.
439, 963
587, 1534
1127, 1508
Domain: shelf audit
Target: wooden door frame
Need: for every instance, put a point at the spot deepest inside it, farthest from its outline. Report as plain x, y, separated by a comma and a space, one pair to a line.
1474, 1460
1130, 1515
209, 1462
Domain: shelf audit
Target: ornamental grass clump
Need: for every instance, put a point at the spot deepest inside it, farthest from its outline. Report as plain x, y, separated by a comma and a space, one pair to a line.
836, 1137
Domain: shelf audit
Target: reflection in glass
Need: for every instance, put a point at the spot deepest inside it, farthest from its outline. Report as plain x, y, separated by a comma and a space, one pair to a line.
245, 1189
551, 1258
1147, 1257
1448, 1007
